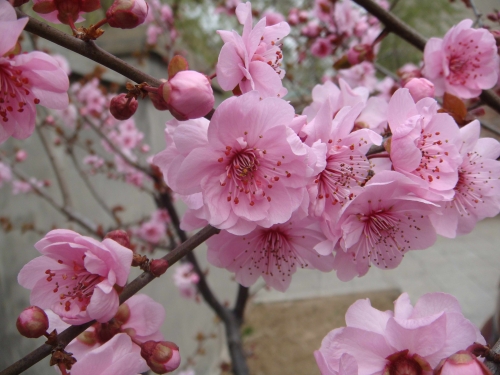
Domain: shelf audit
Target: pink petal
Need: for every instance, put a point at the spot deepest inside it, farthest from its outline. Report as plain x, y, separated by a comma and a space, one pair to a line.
103, 306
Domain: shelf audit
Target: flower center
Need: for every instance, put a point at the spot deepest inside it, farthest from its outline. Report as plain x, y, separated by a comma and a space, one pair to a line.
401, 363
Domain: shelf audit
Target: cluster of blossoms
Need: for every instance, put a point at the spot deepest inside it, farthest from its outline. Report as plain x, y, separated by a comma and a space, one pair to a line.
430, 338
160, 21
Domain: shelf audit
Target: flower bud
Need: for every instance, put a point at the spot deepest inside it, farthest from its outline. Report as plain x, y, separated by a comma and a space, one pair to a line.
158, 267
161, 356
123, 108
127, 14
360, 53
121, 237
32, 322
420, 88
462, 362
188, 94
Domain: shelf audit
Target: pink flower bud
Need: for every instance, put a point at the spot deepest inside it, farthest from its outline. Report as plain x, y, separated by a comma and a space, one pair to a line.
121, 237
127, 14
188, 95
21, 156
158, 267
462, 362
123, 108
360, 53
420, 88
32, 322
161, 356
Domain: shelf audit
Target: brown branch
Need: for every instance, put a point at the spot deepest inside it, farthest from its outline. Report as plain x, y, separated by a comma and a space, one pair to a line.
55, 166
241, 301
398, 27
137, 284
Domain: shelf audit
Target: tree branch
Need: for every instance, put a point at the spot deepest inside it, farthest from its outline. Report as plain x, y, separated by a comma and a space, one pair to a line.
137, 284
398, 27
241, 301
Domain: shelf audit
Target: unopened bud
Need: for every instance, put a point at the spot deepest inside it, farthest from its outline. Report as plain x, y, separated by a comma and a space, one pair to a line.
188, 95
32, 322
162, 356
121, 237
420, 88
127, 14
360, 53
158, 267
123, 108
462, 362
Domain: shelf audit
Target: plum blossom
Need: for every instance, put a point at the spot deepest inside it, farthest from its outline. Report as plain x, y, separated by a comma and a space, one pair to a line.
463, 63
250, 169
424, 143
410, 340
65, 11
274, 253
186, 279
477, 194
117, 356
382, 223
252, 60
152, 231
5, 174
75, 276
360, 75
26, 80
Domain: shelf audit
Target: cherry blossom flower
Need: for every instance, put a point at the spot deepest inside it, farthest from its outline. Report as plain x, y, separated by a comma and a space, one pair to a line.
477, 193
65, 11
463, 63
75, 276
360, 75
462, 362
185, 280
410, 340
424, 144
380, 225
322, 47
25, 80
274, 253
252, 60
117, 356
251, 171
420, 88
5, 174
152, 231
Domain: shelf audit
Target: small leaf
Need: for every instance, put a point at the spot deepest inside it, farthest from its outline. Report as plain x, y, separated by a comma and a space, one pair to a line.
177, 64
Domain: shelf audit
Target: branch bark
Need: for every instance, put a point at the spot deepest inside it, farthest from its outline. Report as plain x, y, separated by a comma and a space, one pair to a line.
137, 284
398, 27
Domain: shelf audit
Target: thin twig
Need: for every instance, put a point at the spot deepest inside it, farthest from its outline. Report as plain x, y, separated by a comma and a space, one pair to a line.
56, 167
398, 27
69, 212
477, 14
137, 284
125, 158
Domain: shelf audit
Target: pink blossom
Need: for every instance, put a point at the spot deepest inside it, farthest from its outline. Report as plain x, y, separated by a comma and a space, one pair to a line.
64, 11
5, 174
25, 80
185, 279
94, 161
464, 63
21, 155
32, 322
118, 356
311, 30
273, 18
253, 60
127, 14
424, 144
152, 34
420, 88
63, 63
382, 223
251, 171
477, 193
410, 340
361, 75
24, 187
322, 47
152, 231
75, 276
274, 253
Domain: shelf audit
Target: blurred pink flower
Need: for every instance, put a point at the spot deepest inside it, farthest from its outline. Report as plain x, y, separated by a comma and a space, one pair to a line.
64, 11
410, 340
5, 174
322, 47
25, 80
464, 63
152, 231
185, 279
252, 60
75, 276
420, 88
21, 155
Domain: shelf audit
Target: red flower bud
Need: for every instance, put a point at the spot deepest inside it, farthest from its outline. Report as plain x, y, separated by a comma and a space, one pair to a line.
32, 322
158, 267
123, 108
127, 14
161, 356
121, 237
